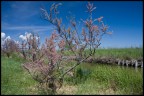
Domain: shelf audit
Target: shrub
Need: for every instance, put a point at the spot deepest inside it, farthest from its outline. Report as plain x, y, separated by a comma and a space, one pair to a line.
50, 76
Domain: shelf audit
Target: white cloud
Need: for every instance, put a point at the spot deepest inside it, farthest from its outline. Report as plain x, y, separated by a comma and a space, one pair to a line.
37, 38
17, 42
34, 28
2, 43
7, 38
28, 35
22, 37
2, 35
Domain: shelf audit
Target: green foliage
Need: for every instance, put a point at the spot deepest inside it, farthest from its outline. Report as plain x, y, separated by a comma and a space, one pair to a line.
81, 75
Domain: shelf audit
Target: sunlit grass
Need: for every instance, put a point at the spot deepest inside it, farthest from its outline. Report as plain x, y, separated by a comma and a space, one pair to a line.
14, 80
88, 78
122, 53
106, 79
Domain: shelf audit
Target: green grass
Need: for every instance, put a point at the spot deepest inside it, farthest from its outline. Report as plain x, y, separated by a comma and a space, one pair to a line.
88, 79
106, 79
122, 53
14, 80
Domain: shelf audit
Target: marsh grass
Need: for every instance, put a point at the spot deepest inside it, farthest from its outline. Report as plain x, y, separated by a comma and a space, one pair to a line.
106, 79
122, 53
89, 78
14, 80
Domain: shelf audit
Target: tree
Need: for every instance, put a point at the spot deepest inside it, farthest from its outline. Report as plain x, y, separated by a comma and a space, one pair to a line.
9, 46
52, 74
30, 45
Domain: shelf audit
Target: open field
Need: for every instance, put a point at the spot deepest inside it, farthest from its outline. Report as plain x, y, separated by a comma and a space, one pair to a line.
88, 78
122, 53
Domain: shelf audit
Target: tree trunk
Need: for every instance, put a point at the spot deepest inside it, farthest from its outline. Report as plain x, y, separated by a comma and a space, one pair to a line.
34, 57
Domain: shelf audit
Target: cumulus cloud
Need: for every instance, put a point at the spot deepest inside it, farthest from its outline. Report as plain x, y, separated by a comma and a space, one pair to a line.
28, 35
8, 38
2, 43
17, 42
2, 35
22, 37
37, 38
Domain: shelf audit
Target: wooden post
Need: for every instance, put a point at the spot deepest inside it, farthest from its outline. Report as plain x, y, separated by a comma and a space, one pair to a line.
123, 62
119, 61
127, 63
132, 62
142, 64
136, 63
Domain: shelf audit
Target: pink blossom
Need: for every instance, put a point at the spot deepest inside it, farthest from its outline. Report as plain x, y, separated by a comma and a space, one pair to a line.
90, 7
53, 49
83, 32
104, 28
76, 41
88, 23
99, 19
61, 44
73, 23
68, 30
54, 35
95, 27
59, 21
87, 40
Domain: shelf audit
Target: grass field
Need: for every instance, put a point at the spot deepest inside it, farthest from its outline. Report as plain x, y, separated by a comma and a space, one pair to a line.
88, 78
106, 79
122, 53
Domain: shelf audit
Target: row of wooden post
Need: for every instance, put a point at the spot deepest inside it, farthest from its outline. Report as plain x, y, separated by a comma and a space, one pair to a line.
135, 63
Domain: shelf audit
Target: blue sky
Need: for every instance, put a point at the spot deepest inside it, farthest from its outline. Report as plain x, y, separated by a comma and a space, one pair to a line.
125, 19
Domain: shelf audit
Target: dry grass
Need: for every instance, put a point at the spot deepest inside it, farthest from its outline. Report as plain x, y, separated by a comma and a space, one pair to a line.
67, 90
33, 90
108, 91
